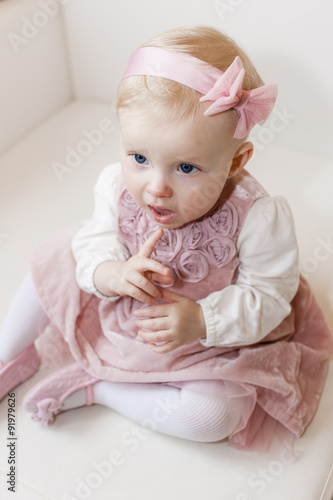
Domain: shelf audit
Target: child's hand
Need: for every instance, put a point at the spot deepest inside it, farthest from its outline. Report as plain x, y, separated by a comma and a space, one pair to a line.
177, 323
134, 276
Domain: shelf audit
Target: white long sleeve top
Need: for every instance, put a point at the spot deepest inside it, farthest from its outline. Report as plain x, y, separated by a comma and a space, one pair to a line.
240, 314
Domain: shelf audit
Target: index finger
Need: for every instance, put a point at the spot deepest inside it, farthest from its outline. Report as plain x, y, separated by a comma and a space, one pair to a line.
149, 245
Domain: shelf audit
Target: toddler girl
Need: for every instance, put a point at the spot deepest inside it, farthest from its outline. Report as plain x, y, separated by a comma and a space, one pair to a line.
180, 300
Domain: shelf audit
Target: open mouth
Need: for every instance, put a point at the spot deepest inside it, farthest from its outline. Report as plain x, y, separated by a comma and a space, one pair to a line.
161, 215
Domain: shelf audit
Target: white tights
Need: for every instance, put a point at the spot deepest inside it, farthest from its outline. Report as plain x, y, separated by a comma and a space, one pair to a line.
24, 321
176, 411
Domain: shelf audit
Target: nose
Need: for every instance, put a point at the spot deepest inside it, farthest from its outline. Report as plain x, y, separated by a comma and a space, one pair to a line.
158, 186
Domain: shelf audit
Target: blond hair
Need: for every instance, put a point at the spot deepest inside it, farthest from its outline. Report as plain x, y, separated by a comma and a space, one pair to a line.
169, 100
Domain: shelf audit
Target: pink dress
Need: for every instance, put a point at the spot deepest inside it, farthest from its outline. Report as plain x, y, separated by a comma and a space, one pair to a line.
278, 380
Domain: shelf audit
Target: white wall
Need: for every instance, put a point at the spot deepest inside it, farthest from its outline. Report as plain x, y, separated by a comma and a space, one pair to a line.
290, 42
34, 78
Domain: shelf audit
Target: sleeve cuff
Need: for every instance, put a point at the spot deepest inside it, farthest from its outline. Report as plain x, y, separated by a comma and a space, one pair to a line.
211, 334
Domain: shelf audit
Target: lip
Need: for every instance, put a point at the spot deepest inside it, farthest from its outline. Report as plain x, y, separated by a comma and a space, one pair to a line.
161, 215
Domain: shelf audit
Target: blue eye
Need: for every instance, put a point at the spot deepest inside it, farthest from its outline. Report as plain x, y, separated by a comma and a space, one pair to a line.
140, 158
185, 168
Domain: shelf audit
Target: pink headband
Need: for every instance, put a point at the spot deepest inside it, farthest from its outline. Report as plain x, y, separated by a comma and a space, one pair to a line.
223, 88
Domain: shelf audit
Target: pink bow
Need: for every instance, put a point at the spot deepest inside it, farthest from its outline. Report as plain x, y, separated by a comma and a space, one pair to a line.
46, 410
253, 106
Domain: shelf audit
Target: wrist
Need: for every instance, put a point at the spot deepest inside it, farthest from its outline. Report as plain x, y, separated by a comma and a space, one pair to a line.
102, 278
203, 336
202, 330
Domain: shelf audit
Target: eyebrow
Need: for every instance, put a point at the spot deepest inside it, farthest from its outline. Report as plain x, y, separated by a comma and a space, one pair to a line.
130, 147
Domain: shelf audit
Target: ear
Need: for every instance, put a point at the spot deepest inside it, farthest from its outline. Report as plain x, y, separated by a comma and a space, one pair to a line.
240, 159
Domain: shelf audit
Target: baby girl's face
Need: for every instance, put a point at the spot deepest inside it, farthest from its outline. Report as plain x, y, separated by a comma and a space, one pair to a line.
176, 171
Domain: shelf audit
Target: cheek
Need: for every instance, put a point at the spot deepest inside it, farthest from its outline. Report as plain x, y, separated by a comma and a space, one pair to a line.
199, 201
127, 176
132, 187
127, 172
133, 184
